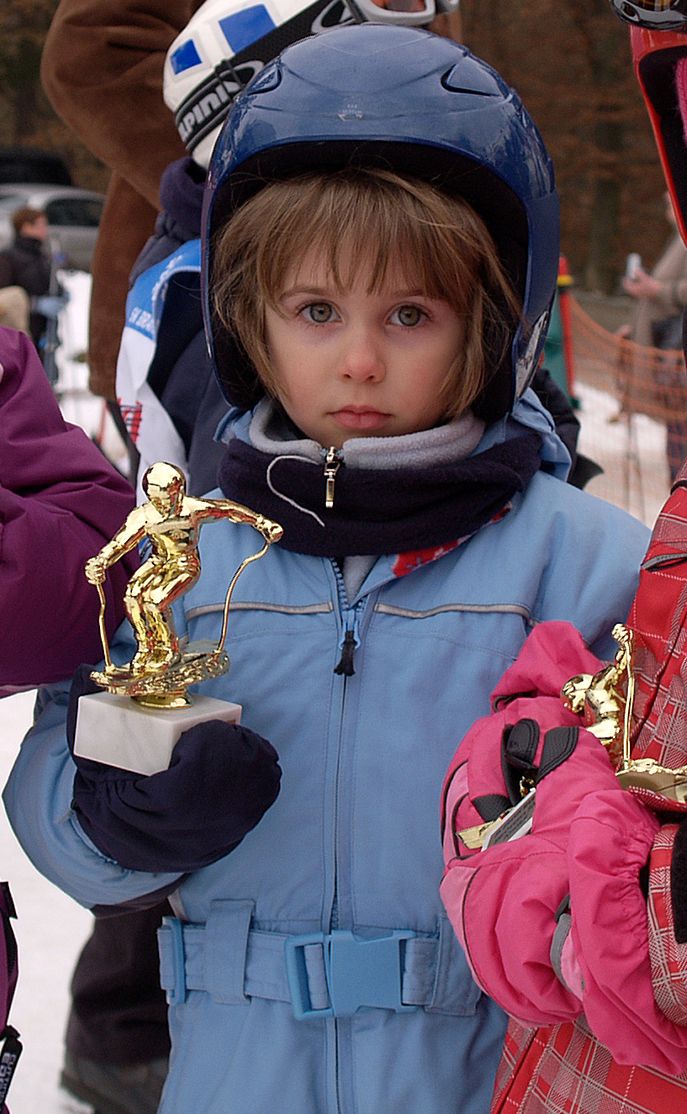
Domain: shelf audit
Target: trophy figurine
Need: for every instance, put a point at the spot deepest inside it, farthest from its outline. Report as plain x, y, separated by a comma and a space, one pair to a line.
146, 706
604, 701
601, 699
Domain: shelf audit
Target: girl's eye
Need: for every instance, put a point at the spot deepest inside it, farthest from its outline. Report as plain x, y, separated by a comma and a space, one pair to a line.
319, 313
408, 315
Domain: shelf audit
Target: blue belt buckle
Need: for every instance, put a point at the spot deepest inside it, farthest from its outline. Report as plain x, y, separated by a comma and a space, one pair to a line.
297, 975
364, 971
360, 972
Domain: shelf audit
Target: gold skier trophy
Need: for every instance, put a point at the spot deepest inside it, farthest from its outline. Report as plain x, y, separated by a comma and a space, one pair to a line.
604, 701
135, 723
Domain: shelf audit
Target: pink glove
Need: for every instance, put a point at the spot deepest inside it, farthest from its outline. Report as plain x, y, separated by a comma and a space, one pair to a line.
553, 653
504, 902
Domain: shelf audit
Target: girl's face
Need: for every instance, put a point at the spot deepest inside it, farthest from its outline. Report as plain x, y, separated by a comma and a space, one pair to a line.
357, 364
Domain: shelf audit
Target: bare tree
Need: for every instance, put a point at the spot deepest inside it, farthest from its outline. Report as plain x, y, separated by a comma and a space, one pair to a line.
571, 64
23, 27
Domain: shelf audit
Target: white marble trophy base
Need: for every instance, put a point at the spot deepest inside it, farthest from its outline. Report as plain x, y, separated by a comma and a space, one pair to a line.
119, 732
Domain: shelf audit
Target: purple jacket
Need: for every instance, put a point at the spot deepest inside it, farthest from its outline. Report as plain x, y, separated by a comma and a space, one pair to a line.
60, 501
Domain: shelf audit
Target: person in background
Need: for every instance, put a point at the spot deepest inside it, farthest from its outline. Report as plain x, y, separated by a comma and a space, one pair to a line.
101, 69
59, 501
661, 295
27, 263
660, 298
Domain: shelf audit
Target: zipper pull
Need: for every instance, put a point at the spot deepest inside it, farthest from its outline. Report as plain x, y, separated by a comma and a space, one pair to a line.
345, 666
350, 643
332, 463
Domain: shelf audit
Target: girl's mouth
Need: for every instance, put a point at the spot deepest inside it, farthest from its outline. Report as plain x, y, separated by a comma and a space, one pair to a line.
357, 417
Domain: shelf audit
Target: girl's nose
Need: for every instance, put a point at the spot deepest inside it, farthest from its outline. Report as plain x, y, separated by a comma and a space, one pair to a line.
363, 359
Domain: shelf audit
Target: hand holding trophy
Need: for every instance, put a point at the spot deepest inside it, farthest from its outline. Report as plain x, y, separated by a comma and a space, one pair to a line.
151, 689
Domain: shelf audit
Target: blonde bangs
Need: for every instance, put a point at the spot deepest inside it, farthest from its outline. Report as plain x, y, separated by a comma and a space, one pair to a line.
372, 222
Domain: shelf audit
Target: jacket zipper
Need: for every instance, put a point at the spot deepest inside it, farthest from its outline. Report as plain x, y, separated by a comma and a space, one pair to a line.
344, 611
351, 639
332, 462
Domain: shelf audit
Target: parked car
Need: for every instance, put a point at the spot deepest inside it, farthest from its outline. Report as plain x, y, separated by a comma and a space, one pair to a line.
73, 217
33, 164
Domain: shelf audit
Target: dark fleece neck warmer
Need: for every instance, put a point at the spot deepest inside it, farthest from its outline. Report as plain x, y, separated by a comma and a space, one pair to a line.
378, 511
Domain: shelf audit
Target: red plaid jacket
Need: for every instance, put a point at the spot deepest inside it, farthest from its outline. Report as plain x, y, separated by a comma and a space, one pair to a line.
563, 1069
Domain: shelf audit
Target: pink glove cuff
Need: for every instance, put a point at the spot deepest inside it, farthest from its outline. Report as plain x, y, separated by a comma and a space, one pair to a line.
611, 837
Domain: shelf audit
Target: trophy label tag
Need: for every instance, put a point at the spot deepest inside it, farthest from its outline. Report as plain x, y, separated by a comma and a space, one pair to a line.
517, 822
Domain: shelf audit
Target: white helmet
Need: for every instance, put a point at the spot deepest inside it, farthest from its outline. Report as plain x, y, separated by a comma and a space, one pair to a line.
227, 42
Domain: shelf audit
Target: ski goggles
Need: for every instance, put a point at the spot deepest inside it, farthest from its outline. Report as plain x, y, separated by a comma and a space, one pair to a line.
654, 15
408, 13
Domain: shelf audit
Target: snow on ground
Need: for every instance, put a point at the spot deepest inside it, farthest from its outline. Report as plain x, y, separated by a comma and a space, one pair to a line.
631, 451
77, 403
51, 928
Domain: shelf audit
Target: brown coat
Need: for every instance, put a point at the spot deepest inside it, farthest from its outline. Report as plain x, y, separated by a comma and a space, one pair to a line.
102, 71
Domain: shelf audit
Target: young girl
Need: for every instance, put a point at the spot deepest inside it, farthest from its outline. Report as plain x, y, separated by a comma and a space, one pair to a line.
380, 253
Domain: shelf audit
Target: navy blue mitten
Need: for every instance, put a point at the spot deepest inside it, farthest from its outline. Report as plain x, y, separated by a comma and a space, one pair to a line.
221, 780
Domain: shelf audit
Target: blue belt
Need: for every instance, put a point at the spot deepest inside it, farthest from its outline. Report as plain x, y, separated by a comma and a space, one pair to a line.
321, 975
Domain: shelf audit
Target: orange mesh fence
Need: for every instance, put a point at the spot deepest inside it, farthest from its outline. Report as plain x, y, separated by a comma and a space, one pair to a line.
649, 381
633, 414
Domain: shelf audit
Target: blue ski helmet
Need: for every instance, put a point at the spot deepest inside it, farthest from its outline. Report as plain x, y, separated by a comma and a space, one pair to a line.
424, 106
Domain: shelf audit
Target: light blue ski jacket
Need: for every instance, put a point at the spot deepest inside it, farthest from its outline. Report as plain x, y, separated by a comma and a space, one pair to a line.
312, 971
